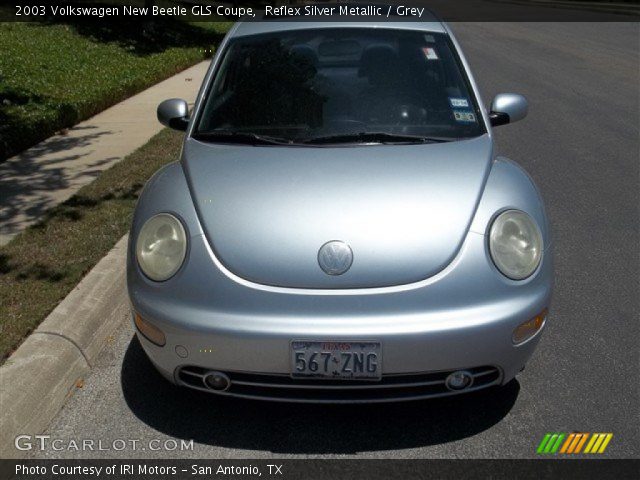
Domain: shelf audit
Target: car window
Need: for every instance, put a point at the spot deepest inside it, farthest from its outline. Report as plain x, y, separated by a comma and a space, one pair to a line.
303, 84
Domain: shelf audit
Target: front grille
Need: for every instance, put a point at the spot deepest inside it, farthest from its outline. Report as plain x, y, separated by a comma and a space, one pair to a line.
281, 387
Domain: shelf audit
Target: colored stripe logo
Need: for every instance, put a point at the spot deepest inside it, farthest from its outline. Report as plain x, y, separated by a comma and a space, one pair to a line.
573, 443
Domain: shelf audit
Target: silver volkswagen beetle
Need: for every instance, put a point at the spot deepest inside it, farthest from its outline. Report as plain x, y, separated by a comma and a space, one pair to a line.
338, 227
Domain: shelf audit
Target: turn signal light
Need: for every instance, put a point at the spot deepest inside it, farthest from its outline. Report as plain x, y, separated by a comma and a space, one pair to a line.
150, 331
528, 329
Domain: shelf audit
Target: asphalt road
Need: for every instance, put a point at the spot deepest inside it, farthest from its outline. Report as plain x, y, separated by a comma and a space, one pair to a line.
580, 143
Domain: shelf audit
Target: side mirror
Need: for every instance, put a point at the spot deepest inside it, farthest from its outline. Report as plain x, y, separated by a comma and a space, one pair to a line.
173, 113
507, 108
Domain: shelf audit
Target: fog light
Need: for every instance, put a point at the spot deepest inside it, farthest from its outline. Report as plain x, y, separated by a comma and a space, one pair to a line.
528, 329
459, 380
217, 381
150, 332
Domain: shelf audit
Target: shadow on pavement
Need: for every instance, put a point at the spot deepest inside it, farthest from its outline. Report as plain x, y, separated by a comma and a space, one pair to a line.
304, 428
29, 184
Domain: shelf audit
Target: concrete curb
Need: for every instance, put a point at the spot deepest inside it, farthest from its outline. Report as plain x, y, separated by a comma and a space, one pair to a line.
39, 377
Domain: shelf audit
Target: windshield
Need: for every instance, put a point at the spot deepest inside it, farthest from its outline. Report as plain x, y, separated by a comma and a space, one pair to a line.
342, 85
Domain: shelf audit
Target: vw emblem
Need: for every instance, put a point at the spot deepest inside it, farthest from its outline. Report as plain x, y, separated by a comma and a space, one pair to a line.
335, 257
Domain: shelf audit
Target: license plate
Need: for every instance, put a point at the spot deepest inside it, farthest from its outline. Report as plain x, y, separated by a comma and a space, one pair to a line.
337, 360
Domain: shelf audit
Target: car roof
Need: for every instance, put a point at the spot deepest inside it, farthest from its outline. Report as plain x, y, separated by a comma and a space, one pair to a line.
258, 27
429, 22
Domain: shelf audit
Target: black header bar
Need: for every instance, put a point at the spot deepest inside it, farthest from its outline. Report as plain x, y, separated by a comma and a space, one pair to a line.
332, 10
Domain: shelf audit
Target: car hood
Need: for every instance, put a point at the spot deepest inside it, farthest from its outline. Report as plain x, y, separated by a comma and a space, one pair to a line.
403, 210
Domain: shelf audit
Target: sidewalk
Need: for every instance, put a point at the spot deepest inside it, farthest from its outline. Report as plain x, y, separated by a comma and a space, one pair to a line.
52, 171
42, 373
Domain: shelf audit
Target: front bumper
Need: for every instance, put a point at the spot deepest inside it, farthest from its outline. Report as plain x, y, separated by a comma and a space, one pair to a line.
463, 318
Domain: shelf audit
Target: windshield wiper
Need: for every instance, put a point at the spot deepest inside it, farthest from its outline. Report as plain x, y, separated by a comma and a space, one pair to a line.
229, 136
374, 137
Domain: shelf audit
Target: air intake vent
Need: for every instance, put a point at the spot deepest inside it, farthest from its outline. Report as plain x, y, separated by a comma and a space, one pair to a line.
283, 388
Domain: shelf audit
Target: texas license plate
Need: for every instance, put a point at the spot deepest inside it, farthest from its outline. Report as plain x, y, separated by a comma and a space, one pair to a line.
337, 360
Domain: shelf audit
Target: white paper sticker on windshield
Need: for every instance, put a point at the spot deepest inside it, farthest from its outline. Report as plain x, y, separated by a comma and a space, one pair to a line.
430, 53
457, 102
465, 116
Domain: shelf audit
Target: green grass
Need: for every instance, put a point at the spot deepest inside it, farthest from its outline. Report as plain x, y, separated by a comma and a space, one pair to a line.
53, 75
40, 266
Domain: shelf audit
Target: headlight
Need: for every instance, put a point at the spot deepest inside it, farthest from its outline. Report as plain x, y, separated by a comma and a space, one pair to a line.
161, 247
515, 243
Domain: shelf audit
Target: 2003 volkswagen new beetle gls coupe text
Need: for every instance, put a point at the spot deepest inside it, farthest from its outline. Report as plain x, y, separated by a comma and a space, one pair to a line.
338, 228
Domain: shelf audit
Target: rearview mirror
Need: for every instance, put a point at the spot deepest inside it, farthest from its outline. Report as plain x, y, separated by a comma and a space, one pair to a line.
173, 113
508, 108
